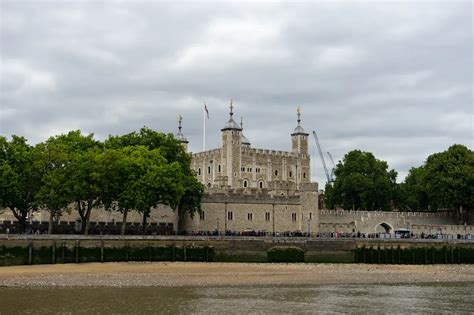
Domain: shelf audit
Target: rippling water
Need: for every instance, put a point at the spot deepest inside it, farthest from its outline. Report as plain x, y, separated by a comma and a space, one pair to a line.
403, 299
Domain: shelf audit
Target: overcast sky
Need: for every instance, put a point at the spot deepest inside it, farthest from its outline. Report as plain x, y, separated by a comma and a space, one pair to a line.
395, 79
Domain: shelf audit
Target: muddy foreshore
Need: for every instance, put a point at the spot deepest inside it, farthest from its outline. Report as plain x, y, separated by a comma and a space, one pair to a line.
226, 274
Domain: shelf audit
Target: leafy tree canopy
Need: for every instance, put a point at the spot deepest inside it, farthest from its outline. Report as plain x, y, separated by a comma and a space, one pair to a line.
19, 181
445, 180
362, 183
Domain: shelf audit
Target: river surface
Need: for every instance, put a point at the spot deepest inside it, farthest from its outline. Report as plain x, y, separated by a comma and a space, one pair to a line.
452, 298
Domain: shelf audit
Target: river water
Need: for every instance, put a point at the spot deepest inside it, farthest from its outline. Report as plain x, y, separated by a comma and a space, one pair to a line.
451, 298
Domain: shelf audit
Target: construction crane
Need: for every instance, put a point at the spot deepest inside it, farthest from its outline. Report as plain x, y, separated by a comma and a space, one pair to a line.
328, 176
333, 165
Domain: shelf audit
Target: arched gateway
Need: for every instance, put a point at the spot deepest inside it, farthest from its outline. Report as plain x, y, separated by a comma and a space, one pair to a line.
383, 227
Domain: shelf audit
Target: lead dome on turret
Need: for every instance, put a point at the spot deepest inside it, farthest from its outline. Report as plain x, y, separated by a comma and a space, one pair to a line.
298, 129
231, 124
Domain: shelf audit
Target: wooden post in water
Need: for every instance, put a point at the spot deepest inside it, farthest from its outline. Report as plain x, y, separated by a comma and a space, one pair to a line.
62, 254
101, 250
77, 251
30, 252
53, 252
126, 251
149, 252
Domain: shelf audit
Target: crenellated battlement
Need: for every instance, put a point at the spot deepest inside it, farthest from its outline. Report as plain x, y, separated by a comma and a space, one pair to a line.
384, 214
207, 153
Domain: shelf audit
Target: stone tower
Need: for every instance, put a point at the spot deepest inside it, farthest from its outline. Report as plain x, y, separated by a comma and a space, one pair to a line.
181, 138
299, 145
299, 138
231, 149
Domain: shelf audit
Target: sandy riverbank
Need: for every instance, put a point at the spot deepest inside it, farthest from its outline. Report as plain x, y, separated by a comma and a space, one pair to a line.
225, 274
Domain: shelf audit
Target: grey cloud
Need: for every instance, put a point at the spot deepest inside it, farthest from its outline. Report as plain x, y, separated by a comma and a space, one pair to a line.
391, 78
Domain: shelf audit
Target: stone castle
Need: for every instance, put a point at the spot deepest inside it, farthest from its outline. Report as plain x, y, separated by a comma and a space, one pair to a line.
263, 190
254, 189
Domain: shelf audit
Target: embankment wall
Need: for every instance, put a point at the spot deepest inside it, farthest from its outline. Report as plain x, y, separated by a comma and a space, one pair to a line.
231, 249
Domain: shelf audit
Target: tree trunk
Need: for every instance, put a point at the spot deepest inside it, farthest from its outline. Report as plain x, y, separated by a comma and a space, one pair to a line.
124, 222
88, 217
21, 217
145, 216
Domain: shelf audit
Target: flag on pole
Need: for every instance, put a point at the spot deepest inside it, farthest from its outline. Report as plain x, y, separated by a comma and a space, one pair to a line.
207, 112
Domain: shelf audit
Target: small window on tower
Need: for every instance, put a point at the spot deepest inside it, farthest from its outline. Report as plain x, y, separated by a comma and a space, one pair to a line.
199, 171
276, 172
219, 168
304, 175
293, 217
208, 170
291, 174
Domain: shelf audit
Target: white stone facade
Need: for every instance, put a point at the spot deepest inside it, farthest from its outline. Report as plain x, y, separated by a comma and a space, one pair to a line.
255, 189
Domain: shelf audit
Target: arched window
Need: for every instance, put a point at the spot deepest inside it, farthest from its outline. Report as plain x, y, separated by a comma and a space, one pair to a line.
219, 168
209, 185
208, 170
245, 183
260, 184
199, 171
276, 172
291, 174
304, 175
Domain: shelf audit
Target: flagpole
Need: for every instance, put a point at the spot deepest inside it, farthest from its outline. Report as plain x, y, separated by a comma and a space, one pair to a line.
204, 128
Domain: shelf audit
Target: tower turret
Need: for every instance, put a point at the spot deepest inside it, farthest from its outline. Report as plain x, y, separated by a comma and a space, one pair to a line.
231, 149
180, 136
299, 138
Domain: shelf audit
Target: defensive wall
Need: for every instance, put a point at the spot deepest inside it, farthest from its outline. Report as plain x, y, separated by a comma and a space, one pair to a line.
253, 209
349, 221
224, 249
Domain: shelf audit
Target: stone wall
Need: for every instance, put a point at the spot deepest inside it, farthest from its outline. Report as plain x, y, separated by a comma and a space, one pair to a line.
346, 221
238, 211
161, 214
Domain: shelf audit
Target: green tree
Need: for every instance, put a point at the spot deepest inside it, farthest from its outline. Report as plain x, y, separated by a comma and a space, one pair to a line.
138, 179
19, 181
54, 195
362, 183
450, 180
444, 181
71, 167
84, 173
172, 150
414, 192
